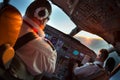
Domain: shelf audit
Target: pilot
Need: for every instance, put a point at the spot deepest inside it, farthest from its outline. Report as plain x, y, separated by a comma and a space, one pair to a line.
39, 55
10, 25
89, 70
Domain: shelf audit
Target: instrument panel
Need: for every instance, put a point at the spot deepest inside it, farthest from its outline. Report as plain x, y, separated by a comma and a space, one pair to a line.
69, 50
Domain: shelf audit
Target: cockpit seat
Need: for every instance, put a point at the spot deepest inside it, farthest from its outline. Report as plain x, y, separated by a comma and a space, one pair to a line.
10, 25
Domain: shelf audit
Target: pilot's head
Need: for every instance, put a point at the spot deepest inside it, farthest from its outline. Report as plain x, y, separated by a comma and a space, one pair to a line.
39, 11
10, 25
102, 55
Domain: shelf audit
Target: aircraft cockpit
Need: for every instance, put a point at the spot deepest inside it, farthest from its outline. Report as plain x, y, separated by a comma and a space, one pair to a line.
95, 16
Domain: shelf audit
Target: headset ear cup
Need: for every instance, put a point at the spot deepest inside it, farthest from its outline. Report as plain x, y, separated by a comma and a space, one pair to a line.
7, 53
41, 13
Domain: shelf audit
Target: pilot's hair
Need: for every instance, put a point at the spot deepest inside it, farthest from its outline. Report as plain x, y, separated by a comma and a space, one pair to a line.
103, 54
35, 6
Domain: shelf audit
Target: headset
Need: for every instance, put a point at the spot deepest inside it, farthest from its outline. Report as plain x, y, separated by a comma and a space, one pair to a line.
42, 13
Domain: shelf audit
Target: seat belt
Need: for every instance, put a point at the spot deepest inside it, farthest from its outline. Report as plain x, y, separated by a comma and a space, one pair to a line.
17, 66
24, 40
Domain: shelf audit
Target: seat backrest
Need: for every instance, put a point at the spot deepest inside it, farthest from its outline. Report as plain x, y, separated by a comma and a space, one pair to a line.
10, 24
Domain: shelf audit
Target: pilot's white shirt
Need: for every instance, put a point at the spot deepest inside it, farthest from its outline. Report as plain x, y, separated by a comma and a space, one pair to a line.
87, 69
37, 54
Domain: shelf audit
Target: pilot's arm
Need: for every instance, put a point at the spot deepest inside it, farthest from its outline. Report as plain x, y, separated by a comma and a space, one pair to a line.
85, 70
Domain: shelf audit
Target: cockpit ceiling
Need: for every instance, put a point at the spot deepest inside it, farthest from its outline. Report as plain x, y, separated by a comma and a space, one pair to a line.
94, 16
